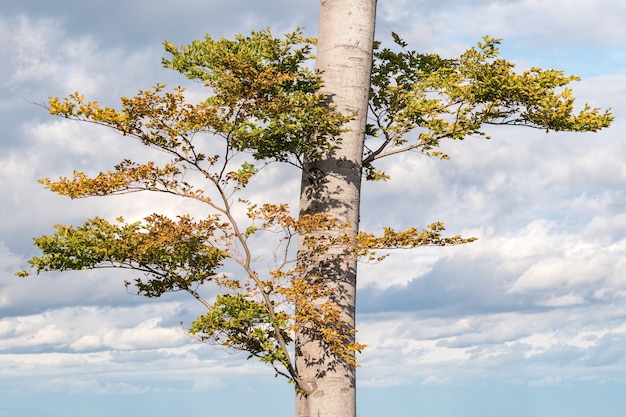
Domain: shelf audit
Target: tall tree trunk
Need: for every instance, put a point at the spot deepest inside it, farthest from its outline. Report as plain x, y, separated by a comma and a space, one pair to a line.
332, 185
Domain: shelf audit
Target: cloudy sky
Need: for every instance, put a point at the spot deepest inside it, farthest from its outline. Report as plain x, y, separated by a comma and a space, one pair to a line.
530, 320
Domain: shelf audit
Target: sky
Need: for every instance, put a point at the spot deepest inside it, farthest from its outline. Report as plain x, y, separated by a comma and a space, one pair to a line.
529, 320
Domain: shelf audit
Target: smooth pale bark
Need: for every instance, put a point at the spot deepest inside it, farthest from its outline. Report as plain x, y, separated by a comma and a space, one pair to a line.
332, 185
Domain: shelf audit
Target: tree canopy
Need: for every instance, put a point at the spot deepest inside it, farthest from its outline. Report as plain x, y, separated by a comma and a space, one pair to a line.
264, 105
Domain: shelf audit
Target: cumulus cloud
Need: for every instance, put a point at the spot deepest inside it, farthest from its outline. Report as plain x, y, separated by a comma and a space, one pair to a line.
72, 328
509, 345
445, 21
106, 350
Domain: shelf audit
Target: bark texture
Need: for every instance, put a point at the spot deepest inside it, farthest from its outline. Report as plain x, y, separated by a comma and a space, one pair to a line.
332, 185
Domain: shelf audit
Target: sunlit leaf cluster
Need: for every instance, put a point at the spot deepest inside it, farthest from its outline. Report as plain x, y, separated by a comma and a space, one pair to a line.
266, 95
171, 255
238, 322
368, 245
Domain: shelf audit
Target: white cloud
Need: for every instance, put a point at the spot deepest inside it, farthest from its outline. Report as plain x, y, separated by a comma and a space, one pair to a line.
111, 350
563, 300
445, 21
556, 273
402, 268
31, 46
511, 345
128, 328
48, 60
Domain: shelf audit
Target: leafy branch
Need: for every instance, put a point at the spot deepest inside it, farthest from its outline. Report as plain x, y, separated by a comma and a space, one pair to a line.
434, 98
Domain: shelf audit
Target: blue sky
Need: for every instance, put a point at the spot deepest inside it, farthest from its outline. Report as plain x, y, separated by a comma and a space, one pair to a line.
527, 321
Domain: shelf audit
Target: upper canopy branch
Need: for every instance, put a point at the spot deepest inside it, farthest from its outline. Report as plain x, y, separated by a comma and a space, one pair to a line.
435, 98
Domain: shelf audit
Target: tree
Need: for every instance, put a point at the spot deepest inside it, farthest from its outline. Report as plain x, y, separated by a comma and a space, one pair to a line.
408, 91
332, 186
265, 106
